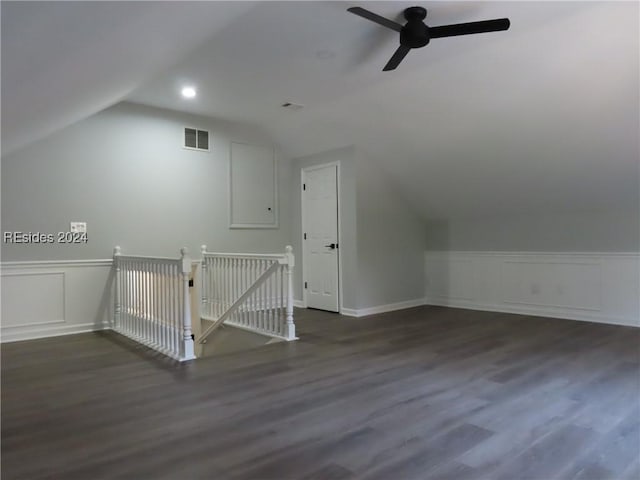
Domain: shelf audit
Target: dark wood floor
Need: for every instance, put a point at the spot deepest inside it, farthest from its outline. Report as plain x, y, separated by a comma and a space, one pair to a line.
418, 394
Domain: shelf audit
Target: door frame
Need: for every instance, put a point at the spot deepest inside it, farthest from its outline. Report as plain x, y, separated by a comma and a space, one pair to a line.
339, 229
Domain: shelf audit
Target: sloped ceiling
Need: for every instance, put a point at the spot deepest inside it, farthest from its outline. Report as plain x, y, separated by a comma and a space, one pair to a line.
543, 117
65, 61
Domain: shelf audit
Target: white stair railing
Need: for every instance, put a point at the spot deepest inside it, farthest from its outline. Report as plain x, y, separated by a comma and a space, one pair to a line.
152, 304
249, 291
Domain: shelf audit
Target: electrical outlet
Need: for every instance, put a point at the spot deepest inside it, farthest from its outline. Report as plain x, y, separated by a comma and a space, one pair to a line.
78, 227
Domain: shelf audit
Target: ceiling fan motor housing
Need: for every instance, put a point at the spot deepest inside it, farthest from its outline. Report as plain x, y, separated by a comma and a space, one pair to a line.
415, 33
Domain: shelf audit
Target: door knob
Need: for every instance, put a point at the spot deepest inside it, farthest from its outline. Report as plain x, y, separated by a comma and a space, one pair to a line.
332, 246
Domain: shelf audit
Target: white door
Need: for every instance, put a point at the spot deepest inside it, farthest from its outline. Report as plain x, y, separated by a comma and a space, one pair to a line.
320, 245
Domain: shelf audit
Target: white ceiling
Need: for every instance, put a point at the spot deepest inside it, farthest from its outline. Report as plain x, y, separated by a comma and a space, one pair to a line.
541, 117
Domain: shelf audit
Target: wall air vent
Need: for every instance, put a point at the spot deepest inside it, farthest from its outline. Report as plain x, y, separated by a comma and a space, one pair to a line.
195, 139
292, 106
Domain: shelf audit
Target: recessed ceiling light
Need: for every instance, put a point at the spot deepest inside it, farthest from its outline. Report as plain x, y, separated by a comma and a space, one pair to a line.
188, 92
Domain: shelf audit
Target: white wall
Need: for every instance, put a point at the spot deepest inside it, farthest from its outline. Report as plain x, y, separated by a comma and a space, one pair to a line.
125, 173
391, 242
613, 231
382, 240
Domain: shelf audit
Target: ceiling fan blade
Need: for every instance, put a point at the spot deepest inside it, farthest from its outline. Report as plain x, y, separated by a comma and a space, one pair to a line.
361, 12
469, 28
397, 57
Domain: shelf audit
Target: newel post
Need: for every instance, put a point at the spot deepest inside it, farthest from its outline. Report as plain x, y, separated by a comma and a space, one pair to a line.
187, 340
290, 329
205, 285
118, 283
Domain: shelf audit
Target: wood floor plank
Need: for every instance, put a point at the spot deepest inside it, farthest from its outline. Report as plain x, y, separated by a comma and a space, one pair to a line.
428, 392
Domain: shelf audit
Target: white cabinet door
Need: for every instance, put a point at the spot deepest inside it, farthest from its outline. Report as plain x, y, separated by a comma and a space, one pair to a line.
253, 187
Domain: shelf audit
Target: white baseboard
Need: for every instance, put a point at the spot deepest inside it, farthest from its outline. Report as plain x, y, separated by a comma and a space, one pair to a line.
390, 307
534, 312
594, 287
299, 304
8, 336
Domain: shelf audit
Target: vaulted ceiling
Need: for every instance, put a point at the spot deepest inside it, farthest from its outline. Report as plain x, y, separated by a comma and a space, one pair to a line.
543, 117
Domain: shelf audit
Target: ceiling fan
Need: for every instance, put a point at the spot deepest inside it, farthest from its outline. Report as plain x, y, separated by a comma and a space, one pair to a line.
415, 34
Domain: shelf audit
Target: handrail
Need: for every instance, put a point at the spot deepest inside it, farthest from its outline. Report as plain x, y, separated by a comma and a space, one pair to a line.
143, 257
266, 256
232, 309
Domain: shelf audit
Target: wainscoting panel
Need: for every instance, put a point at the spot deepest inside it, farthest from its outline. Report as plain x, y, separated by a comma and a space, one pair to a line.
43, 299
598, 287
20, 289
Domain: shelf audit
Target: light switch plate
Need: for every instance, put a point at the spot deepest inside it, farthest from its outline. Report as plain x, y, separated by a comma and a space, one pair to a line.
78, 227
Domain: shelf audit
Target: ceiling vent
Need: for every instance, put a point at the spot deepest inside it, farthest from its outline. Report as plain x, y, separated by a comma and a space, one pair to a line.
195, 139
292, 106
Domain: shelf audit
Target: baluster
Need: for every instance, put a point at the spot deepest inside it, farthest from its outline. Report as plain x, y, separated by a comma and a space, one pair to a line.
127, 297
176, 309
262, 300
136, 296
283, 297
265, 300
156, 303
216, 286
205, 281
281, 300
170, 300
118, 286
179, 294
267, 290
236, 288
152, 301
167, 306
270, 302
147, 302
254, 306
240, 268
143, 299
162, 298
223, 287
219, 286
140, 299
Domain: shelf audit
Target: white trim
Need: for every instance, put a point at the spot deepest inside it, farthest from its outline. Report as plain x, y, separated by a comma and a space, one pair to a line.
276, 195
389, 307
103, 262
8, 337
457, 253
299, 304
547, 312
339, 229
